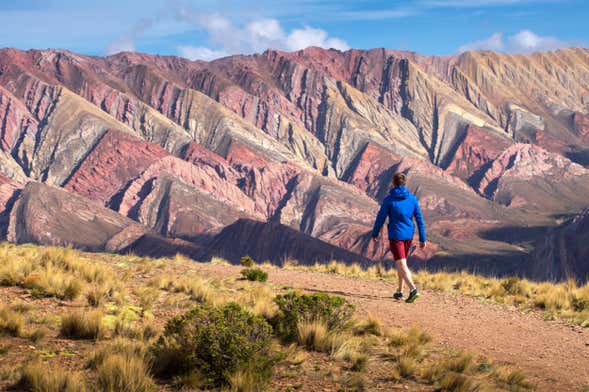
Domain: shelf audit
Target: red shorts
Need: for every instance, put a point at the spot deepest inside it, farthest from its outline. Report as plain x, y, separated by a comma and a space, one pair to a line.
400, 248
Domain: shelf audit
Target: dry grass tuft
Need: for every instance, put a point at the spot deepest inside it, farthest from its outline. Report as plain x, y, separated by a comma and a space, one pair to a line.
39, 378
512, 379
77, 325
147, 297
369, 326
38, 334
244, 381
118, 372
259, 300
407, 367
455, 364
97, 295
11, 323
457, 382
413, 337
313, 335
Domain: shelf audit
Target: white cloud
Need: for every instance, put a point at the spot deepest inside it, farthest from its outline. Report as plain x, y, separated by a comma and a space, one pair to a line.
258, 35
124, 44
525, 41
494, 42
308, 36
199, 53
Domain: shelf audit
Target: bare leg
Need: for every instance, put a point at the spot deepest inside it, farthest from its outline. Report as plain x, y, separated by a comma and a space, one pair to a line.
401, 280
403, 271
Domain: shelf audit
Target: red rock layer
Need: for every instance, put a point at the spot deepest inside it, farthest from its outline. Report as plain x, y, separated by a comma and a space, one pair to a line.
116, 159
477, 149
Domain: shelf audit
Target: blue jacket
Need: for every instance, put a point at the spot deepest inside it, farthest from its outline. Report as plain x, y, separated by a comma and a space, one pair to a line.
400, 206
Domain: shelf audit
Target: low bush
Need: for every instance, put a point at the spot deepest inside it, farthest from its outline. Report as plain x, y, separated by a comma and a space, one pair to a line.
334, 311
217, 343
255, 274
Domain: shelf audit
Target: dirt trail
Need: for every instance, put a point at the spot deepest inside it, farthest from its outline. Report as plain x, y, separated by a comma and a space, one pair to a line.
553, 354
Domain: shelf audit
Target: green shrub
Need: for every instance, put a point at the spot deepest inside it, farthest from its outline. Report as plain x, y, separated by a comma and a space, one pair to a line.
247, 261
255, 274
217, 343
334, 311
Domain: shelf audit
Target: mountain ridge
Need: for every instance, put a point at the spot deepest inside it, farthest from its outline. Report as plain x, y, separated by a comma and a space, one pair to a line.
308, 139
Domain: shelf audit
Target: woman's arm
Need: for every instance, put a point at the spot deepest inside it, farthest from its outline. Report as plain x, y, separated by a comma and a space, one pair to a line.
419, 219
380, 218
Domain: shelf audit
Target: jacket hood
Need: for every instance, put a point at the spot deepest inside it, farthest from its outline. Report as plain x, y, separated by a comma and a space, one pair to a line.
399, 193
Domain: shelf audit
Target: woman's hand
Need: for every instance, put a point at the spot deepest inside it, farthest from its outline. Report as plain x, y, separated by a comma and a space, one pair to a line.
423, 245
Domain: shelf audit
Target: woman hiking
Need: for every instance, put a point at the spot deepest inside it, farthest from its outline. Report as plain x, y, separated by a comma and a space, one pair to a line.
400, 206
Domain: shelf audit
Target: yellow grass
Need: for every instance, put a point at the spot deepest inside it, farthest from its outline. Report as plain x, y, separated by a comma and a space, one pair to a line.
11, 322
126, 373
79, 325
313, 335
369, 326
244, 381
38, 377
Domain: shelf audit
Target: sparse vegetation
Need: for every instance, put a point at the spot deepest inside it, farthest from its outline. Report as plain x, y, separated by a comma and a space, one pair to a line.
217, 344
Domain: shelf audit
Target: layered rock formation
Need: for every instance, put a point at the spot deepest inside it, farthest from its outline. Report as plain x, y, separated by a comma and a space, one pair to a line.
48, 215
288, 154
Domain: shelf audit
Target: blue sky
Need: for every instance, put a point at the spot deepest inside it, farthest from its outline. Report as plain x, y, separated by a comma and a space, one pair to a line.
206, 29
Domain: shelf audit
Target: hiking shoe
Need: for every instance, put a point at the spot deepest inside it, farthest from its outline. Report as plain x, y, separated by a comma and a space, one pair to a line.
398, 295
413, 295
